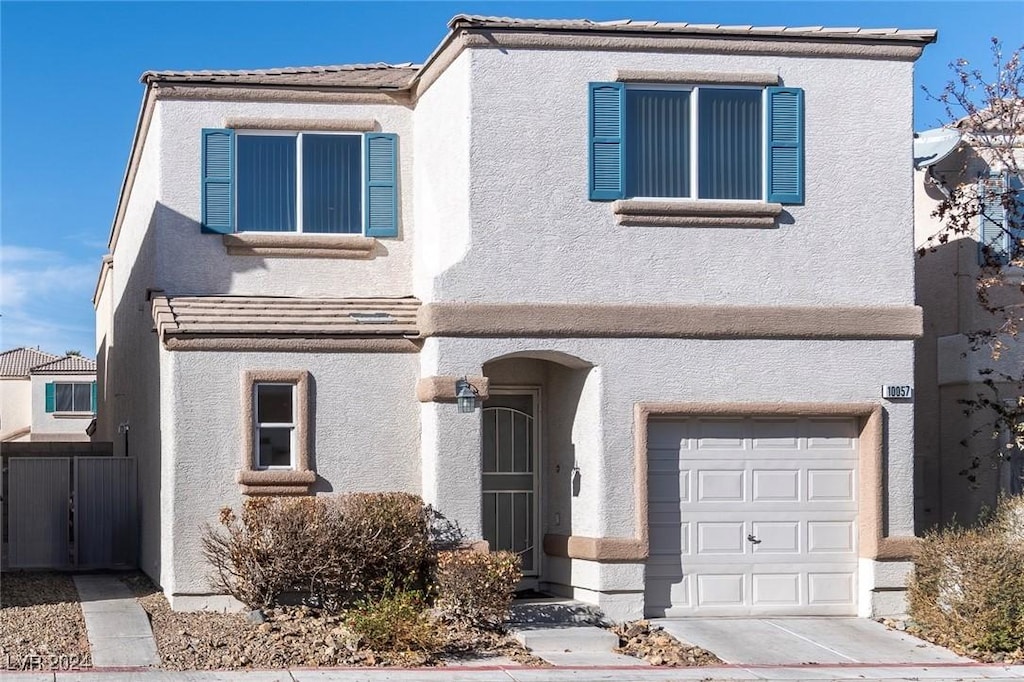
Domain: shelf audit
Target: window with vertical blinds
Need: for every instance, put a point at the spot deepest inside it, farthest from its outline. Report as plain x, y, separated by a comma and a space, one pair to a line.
272, 170
701, 142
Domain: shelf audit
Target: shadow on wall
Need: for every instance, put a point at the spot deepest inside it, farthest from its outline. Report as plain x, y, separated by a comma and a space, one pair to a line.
957, 465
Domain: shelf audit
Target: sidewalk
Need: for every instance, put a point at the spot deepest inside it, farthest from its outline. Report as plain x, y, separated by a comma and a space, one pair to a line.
930, 673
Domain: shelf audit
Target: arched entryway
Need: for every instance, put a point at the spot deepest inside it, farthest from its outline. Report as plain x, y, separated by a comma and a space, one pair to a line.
528, 452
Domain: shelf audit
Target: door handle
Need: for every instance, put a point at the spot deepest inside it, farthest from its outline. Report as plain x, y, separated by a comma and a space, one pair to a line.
751, 538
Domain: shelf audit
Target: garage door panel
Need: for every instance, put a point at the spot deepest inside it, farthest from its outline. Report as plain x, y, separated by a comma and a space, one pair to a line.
753, 517
719, 485
721, 538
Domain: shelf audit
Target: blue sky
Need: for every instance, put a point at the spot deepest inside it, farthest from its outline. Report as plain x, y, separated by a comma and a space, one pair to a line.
70, 94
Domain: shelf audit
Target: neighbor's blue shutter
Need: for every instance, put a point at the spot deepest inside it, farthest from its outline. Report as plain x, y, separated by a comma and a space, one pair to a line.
992, 231
607, 148
92, 399
786, 145
51, 398
381, 184
217, 170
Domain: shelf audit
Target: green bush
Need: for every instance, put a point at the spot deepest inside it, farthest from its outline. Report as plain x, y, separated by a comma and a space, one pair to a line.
475, 588
968, 586
396, 622
332, 550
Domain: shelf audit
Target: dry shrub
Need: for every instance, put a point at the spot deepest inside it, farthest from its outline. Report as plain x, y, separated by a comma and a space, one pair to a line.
474, 588
395, 622
332, 550
968, 586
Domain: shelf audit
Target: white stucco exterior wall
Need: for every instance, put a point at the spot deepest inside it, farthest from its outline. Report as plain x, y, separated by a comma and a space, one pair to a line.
364, 436
190, 262
536, 237
15, 405
58, 425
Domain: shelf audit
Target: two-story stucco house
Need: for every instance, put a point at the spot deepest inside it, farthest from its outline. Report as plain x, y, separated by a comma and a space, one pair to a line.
963, 455
45, 397
675, 263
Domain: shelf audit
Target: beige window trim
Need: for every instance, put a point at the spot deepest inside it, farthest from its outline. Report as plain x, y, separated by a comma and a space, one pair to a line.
302, 124
696, 213
697, 77
300, 245
295, 481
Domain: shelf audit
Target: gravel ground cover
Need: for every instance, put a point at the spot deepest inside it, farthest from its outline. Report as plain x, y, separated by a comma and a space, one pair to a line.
41, 623
911, 628
645, 640
292, 637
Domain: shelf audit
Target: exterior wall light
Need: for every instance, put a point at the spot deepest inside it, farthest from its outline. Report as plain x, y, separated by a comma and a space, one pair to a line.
466, 395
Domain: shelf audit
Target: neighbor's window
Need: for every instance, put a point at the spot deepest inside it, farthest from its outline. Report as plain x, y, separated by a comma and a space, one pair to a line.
700, 142
299, 182
275, 425
76, 397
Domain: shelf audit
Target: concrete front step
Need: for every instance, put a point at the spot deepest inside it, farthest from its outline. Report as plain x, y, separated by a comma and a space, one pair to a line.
575, 639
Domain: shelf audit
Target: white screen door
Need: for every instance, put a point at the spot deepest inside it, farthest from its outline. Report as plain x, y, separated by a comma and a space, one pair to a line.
509, 449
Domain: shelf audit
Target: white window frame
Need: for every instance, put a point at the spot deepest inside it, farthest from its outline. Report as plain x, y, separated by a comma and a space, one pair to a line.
258, 425
694, 91
298, 135
58, 384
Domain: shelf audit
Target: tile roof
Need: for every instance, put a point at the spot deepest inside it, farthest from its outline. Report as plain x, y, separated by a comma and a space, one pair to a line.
17, 362
638, 26
399, 76
69, 364
385, 76
265, 316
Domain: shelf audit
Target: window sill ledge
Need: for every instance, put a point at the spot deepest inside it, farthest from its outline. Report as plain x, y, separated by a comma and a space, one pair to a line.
295, 245
276, 482
753, 214
72, 415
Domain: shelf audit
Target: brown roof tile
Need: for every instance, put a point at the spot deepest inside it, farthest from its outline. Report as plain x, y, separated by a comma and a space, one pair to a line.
264, 316
69, 364
384, 76
18, 362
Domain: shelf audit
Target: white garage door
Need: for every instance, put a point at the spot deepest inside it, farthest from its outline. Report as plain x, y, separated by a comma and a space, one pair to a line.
752, 516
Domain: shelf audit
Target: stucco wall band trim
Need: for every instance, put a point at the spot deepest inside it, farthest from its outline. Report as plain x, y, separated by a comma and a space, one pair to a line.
262, 482
608, 550
872, 542
301, 246
301, 124
441, 389
697, 77
555, 320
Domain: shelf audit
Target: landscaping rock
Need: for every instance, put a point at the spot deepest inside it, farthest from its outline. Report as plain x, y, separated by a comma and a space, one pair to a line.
256, 616
40, 616
644, 640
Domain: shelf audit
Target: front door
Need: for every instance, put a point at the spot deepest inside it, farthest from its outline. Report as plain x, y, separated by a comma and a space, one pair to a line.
509, 437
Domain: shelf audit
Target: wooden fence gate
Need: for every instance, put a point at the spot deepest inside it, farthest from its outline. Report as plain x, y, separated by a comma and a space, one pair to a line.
72, 512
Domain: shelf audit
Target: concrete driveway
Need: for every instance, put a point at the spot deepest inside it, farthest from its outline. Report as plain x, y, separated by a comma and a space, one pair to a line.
799, 641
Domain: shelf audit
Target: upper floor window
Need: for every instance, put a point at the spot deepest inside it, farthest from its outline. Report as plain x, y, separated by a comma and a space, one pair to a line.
309, 182
700, 142
71, 396
1000, 218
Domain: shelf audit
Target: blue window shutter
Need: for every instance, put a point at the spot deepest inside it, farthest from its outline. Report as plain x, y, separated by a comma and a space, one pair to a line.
993, 237
381, 184
607, 148
51, 397
786, 145
92, 400
218, 167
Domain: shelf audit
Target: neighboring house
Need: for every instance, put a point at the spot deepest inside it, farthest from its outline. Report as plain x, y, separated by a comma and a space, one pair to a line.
960, 471
46, 397
675, 262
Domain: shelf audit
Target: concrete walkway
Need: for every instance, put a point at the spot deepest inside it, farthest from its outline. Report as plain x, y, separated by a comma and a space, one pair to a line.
580, 674
798, 641
119, 632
